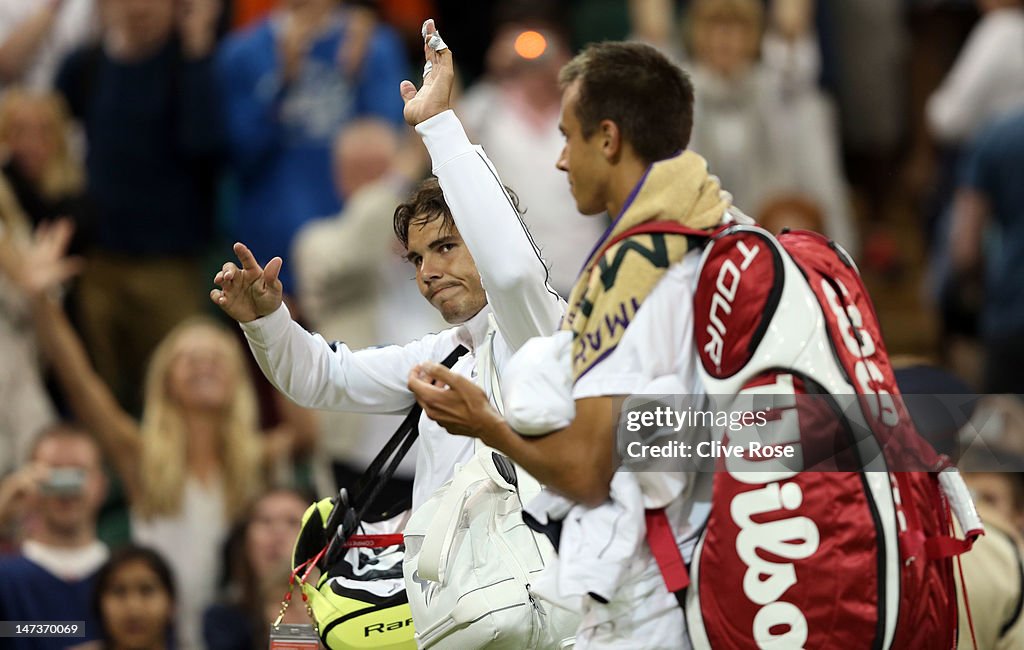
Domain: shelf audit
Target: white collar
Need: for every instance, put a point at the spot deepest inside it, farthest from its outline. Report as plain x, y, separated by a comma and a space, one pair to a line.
473, 332
68, 564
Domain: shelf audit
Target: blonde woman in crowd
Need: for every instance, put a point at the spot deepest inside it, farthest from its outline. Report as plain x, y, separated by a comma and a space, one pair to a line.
39, 162
38, 158
195, 460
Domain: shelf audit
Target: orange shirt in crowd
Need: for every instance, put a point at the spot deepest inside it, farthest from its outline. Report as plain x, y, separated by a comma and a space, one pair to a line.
405, 15
247, 12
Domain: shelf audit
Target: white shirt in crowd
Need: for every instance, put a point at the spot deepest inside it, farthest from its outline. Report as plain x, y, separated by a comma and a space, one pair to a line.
770, 132
986, 81
68, 564
192, 542
76, 24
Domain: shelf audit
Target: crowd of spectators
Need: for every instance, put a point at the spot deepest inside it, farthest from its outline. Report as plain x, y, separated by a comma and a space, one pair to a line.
139, 138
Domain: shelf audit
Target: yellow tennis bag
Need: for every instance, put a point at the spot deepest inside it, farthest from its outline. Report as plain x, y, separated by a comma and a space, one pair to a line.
359, 600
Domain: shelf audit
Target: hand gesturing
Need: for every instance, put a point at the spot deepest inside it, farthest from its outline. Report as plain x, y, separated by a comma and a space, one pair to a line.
249, 292
435, 95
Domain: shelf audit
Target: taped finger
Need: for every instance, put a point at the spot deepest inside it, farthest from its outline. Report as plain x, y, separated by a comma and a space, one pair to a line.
437, 43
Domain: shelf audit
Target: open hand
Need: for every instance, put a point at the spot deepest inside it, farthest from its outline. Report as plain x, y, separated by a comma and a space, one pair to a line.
39, 266
250, 292
435, 95
453, 401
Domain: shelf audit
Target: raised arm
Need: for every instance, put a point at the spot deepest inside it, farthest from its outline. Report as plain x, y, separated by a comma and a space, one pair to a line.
20, 42
252, 127
16, 490
510, 266
511, 269
305, 367
42, 267
789, 49
317, 374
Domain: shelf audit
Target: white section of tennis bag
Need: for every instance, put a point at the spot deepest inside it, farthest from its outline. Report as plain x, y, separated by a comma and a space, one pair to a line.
798, 338
469, 563
960, 501
470, 558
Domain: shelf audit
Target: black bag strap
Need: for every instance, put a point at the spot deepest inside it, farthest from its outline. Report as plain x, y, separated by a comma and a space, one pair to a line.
348, 514
384, 465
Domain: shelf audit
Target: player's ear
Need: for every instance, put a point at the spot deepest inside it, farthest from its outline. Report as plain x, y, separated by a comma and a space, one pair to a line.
611, 139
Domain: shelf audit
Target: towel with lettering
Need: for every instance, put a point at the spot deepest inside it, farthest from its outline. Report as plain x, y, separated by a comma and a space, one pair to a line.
613, 285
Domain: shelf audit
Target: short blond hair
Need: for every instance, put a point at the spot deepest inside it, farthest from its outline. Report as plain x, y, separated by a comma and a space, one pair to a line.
65, 174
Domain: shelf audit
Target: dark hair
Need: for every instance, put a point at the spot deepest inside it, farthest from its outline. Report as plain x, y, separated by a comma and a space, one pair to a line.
239, 580
636, 87
121, 557
238, 576
427, 204
772, 214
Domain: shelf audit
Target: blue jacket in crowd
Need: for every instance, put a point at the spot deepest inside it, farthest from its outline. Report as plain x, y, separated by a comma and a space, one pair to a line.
281, 135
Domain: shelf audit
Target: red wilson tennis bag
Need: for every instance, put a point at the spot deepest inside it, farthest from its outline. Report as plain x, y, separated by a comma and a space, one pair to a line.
857, 552
847, 542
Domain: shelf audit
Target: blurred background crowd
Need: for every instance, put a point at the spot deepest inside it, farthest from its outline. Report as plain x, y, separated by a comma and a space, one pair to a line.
152, 482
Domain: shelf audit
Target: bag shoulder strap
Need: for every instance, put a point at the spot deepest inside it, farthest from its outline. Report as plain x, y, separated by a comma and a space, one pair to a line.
662, 542
700, 237
380, 471
432, 564
347, 515
488, 369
